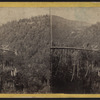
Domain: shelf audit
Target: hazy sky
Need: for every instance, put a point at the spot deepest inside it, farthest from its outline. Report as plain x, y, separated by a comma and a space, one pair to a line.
9, 14
87, 14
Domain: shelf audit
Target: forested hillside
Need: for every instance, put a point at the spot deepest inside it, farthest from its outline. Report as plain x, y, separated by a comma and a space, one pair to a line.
67, 32
75, 34
30, 39
91, 36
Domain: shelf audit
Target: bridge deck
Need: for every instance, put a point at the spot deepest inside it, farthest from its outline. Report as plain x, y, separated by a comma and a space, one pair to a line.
74, 48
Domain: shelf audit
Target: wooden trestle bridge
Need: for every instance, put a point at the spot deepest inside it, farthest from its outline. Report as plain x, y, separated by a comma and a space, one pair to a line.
73, 68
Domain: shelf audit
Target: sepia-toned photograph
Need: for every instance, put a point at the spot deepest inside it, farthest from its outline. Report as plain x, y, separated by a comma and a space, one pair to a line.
75, 51
50, 50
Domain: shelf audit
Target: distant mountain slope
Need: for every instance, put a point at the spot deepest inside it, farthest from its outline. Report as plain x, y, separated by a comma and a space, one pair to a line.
71, 23
65, 32
75, 34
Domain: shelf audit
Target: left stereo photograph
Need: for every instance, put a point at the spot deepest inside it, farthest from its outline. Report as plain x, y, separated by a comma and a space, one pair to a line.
24, 50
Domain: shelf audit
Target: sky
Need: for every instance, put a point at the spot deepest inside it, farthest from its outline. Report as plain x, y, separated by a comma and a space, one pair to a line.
10, 14
87, 14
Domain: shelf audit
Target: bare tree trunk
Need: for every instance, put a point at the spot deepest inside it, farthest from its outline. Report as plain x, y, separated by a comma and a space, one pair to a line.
78, 69
92, 65
87, 69
73, 72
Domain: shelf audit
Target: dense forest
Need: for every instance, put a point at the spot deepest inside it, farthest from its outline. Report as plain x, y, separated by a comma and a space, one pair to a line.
27, 49
30, 39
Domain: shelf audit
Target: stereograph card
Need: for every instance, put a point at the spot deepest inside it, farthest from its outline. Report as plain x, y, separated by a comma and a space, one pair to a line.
49, 49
